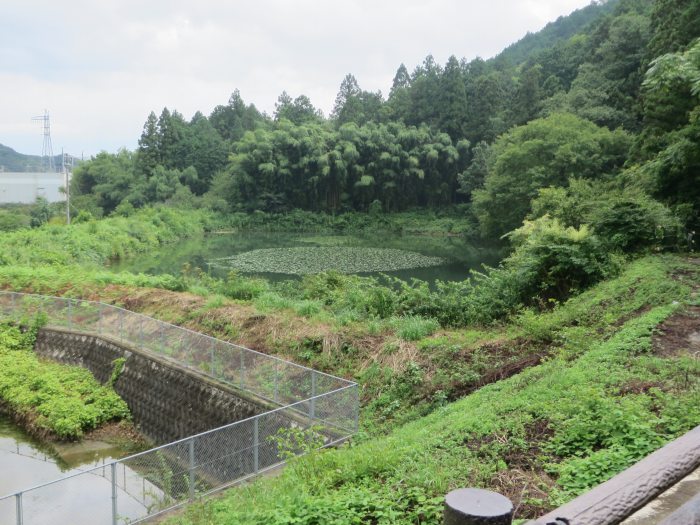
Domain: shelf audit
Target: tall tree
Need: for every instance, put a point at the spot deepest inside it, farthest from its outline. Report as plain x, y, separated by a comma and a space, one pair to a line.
528, 95
453, 100
425, 88
148, 156
344, 106
208, 152
297, 111
235, 118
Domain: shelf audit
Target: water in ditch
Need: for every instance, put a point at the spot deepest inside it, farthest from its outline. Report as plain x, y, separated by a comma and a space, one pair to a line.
83, 499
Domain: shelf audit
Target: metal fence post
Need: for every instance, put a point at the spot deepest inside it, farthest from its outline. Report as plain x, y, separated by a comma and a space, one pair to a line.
312, 407
277, 371
212, 368
256, 446
70, 314
114, 493
191, 450
242, 368
140, 331
18, 505
121, 325
99, 318
356, 408
162, 338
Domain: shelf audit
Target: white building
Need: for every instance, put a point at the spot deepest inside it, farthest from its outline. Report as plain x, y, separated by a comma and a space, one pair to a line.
26, 187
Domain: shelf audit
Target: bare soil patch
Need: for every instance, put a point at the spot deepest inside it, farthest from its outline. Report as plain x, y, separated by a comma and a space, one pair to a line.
679, 334
524, 481
122, 433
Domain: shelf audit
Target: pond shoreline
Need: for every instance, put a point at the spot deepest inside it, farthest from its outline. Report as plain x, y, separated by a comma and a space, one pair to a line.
459, 254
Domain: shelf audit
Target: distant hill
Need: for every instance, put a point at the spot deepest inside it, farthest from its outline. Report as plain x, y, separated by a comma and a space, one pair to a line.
10, 160
560, 30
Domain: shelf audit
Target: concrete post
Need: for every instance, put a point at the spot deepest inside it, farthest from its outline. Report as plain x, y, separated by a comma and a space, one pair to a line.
477, 507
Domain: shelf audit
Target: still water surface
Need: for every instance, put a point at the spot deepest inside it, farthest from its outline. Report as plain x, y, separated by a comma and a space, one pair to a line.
85, 499
460, 255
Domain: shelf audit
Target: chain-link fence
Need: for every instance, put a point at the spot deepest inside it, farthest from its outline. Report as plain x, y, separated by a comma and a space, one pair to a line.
315, 409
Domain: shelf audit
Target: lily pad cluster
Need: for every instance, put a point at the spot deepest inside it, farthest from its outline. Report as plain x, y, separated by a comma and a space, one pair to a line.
308, 260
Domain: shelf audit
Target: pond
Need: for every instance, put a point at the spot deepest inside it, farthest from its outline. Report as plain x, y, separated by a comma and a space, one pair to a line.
85, 499
428, 258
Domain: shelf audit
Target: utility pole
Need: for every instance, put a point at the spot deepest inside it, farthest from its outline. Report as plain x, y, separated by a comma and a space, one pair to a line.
67, 172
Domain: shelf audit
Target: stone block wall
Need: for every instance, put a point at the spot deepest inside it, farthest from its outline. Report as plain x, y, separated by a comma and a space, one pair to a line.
168, 401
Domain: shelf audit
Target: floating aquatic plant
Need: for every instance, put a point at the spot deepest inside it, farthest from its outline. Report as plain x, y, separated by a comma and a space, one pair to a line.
307, 260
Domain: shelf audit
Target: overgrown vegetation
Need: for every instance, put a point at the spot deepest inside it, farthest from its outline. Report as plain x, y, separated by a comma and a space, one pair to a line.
52, 400
96, 242
604, 399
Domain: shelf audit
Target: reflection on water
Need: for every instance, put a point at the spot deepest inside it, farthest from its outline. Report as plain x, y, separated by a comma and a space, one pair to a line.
83, 499
460, 255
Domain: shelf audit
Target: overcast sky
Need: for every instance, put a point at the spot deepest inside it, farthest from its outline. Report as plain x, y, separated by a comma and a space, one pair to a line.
101, 66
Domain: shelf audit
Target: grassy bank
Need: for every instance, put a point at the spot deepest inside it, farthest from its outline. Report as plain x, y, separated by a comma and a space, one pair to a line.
95, 242
611, 391
51, 400
408, 366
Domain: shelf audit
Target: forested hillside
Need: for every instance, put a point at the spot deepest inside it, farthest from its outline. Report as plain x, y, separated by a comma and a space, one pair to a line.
606, 96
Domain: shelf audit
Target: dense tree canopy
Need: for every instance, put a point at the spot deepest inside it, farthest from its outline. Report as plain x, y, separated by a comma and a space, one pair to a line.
319, 168
544, 152
563, 103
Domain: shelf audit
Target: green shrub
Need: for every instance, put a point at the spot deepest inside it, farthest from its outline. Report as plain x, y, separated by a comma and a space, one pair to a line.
623, 218
552, 262
413, 328
244, 288
96, 242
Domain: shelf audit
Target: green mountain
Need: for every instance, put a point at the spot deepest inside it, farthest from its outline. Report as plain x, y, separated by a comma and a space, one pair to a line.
11, 160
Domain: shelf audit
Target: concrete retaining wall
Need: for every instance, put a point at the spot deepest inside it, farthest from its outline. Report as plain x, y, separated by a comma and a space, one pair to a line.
168, 401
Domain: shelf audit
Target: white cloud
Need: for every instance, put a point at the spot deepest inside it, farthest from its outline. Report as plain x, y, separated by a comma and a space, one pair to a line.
100, 67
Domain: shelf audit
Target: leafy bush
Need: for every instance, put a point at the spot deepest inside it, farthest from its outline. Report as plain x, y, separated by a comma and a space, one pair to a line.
551, 261
623, 218
544, 152
244, 288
